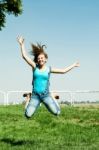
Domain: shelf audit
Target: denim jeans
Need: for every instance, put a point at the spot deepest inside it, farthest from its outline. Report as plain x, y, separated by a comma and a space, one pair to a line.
46, 99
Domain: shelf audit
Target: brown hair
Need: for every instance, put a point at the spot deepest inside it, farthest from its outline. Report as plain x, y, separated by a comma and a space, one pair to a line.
37, 50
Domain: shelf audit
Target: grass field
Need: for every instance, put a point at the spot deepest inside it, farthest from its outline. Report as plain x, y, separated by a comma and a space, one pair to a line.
77, 128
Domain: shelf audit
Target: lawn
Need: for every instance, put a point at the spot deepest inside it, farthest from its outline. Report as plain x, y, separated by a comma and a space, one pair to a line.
76, 128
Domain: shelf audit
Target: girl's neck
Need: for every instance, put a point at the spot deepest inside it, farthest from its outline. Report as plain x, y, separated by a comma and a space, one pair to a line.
42, 67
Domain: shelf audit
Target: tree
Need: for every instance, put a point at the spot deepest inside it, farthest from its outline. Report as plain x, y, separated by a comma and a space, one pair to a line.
9, 7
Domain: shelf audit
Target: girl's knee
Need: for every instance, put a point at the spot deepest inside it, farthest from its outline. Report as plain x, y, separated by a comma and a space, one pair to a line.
29, 112
28, 115
53, 107
56, 113
56, 109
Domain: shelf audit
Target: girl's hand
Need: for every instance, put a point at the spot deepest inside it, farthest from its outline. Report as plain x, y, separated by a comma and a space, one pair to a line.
20, 39
76, 64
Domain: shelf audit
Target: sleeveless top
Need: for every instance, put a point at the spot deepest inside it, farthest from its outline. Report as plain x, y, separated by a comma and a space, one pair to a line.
41, 80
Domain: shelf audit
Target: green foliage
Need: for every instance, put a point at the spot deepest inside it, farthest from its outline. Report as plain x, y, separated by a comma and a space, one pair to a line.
75, 129
9, 7
2, 17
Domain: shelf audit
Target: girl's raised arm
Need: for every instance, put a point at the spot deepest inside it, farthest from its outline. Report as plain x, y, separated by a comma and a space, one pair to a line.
20, 40
65, 70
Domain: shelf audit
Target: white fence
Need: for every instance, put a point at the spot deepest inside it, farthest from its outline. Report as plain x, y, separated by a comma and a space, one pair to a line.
66, 97
2, 97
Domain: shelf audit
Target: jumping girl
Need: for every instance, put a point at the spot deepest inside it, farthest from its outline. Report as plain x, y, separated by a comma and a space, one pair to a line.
41, 76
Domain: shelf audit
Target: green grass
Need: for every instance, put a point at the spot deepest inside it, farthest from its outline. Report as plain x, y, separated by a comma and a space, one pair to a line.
76, 128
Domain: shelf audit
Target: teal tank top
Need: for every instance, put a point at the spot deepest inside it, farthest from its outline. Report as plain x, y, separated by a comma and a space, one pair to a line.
41, 80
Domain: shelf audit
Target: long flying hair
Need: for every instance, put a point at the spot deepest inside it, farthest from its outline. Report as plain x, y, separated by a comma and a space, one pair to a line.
37, 50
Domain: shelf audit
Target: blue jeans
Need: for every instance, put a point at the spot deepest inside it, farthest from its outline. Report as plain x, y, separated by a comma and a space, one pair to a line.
46, 99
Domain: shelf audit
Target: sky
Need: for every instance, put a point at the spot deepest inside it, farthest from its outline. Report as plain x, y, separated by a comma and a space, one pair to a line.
69, 29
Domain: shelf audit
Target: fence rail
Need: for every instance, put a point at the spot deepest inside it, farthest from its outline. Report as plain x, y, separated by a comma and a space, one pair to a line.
16, 97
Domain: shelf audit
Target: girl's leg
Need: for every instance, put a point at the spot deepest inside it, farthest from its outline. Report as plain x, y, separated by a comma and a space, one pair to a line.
32, 106
27, 102
52, 105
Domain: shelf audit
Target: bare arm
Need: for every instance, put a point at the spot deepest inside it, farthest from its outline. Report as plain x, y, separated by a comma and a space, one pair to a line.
65, 70
23, 52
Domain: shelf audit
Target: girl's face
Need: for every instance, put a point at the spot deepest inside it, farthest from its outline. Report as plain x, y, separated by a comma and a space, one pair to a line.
41, 60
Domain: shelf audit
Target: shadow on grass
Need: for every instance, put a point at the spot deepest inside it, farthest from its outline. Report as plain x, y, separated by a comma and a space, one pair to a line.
14, 142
